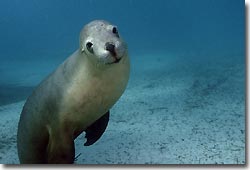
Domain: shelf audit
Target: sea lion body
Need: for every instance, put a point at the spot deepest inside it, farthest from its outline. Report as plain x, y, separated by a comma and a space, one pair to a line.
74, 97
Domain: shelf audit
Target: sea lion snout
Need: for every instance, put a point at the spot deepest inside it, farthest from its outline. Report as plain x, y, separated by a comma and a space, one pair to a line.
110, 47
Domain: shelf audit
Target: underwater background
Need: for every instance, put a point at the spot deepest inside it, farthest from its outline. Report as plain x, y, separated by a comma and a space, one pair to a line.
185, 101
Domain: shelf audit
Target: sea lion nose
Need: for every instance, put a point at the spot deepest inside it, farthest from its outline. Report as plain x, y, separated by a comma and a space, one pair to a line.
110, 47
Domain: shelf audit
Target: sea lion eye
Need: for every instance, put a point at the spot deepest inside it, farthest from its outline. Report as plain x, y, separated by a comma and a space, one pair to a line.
115, 31
89, 47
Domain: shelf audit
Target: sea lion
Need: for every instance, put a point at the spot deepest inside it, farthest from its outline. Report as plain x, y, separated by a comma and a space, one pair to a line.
76, 97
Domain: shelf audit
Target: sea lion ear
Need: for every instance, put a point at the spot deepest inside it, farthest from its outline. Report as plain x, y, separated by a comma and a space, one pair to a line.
95, 131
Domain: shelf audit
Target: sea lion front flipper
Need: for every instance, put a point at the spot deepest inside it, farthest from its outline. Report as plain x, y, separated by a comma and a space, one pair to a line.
95, 131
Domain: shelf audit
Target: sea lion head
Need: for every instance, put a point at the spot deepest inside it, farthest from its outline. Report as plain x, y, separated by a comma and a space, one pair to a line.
101, 42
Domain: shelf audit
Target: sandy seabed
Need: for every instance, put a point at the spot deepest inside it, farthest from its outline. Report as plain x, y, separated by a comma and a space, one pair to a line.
174, 111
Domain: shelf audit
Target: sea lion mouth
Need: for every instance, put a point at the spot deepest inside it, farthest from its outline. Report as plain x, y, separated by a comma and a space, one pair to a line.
117, 60
114, 55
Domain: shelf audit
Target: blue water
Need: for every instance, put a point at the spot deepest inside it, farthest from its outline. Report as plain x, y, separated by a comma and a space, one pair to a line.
198, 40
